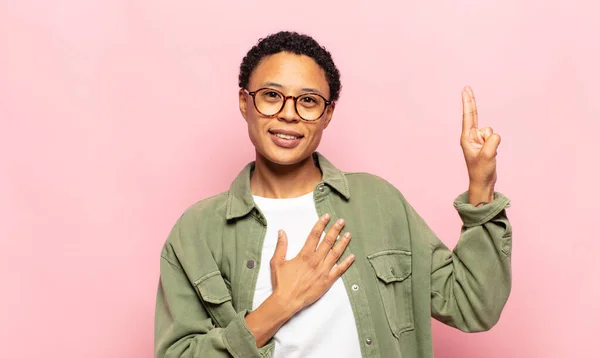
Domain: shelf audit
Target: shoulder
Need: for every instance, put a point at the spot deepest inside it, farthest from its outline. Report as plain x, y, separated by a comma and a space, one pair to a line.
197, 219
208, 212
362, 183
208, 208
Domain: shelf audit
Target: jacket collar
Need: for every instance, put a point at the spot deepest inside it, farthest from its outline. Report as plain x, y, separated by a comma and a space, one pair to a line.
240, 201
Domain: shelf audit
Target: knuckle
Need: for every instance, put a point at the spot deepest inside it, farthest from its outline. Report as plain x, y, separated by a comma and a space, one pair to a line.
316, 232
330, 279
313, 263
335, 231
335, 274
336, 254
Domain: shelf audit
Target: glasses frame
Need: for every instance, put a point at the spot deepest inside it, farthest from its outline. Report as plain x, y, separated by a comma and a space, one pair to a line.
285, 99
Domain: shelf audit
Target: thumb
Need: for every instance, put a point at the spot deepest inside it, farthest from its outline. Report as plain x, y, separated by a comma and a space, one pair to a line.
281, 248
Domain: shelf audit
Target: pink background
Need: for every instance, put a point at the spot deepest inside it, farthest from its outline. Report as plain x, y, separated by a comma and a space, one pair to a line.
117, 115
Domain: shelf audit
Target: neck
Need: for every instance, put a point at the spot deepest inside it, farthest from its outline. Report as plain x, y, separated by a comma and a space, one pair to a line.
272, 180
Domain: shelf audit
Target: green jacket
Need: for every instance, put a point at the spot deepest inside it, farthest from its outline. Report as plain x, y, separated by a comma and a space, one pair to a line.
402, 275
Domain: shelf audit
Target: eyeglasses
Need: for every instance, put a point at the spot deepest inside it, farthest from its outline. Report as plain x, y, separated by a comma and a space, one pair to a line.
269, 102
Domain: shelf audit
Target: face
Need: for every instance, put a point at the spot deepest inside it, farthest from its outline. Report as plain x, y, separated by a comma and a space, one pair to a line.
286, 139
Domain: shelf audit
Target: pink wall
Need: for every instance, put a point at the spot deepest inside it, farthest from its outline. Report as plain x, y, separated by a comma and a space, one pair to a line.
116, 115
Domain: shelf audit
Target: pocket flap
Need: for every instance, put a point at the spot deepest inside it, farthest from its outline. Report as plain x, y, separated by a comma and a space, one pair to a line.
391, 265
212, 288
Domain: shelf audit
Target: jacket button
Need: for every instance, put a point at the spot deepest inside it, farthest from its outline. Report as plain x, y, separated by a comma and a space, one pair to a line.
355, 287
369, 341
250, 264
321, 187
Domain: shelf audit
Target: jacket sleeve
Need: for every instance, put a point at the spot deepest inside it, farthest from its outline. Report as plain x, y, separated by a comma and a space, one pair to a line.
183, 326
471, 284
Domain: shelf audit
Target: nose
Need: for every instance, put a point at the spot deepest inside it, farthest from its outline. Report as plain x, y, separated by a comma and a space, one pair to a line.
288, 112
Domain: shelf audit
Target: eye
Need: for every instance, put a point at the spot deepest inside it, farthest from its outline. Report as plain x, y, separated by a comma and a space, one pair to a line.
272, 94
310, 101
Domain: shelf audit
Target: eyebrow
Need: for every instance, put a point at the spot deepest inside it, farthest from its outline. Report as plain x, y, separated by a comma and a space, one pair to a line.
274, 84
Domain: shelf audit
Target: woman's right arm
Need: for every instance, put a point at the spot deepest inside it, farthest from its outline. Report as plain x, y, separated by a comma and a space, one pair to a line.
184, 329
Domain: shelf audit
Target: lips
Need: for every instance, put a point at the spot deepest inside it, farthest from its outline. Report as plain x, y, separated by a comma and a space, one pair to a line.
285, 138
285, 134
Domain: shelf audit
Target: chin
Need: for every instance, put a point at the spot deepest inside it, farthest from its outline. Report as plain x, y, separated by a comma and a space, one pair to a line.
285, 156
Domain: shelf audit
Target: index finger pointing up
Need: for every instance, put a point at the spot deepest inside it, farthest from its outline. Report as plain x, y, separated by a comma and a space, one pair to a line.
469, 110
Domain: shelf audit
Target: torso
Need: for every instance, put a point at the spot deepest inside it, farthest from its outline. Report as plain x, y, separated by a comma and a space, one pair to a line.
326, 328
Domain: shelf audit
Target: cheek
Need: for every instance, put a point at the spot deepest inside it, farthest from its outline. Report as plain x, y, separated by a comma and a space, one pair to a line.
316, 133
257, 127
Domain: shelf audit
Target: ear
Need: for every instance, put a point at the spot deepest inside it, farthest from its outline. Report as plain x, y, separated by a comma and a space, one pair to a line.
329, 114
243, 104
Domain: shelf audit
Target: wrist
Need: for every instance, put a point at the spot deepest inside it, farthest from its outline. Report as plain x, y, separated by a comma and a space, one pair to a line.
284, 304
480, 194
268, 318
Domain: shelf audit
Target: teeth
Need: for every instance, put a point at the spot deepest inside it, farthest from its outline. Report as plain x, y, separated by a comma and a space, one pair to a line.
285, 136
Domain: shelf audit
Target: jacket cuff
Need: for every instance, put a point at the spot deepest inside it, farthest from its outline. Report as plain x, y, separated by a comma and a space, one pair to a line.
240, 342
473, 216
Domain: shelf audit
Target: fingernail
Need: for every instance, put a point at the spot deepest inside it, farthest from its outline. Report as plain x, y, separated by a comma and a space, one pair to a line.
348, 235
280, 233
340, 222
326, 217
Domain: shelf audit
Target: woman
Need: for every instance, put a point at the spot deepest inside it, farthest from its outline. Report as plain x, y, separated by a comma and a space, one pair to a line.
299, 259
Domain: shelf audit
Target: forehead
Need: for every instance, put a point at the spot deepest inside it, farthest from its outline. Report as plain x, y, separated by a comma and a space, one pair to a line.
291, 71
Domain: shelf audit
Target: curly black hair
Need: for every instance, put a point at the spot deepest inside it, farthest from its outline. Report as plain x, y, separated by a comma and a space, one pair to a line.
300, 44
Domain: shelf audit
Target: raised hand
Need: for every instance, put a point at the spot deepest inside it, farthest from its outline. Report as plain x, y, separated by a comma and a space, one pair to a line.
306, 277
479, 147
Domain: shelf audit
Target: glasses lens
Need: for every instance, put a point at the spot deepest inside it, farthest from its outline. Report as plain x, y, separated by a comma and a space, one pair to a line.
268, 101
310, 106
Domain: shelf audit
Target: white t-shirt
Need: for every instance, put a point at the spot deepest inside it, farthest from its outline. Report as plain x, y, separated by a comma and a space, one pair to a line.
325, 328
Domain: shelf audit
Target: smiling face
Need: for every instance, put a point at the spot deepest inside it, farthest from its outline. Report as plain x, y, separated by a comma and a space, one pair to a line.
285, 138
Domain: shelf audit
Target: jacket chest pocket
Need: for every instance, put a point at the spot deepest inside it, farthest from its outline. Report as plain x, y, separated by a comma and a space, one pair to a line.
393, 269
216, 298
